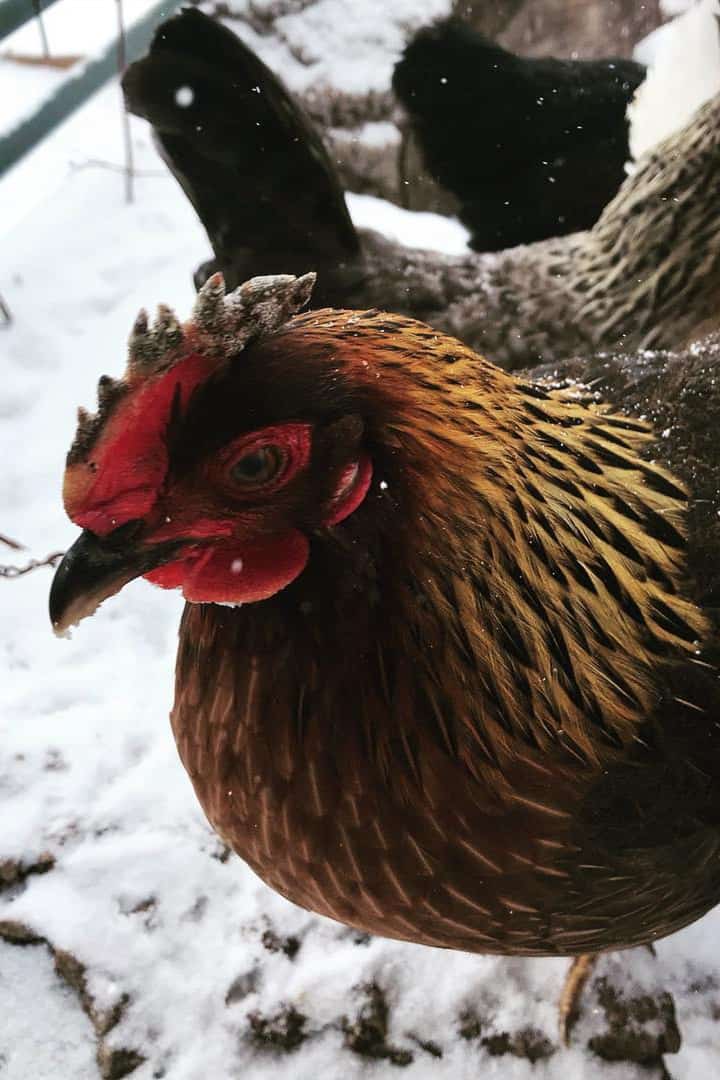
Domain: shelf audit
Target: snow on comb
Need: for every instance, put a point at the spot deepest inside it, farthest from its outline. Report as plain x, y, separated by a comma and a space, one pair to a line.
221, 324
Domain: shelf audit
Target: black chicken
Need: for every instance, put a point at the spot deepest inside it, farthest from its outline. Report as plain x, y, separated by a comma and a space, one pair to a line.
531, 148
246, 155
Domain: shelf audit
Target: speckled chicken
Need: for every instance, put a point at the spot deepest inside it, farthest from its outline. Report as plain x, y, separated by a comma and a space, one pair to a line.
646, 275
444, 673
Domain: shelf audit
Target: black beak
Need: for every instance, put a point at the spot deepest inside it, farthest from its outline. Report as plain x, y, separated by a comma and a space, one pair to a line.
94, 569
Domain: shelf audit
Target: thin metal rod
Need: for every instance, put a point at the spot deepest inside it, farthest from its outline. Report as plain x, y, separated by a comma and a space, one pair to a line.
41, 27
127, 137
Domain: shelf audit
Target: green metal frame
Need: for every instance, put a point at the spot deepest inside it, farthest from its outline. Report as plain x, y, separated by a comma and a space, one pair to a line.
81, 82
13, 13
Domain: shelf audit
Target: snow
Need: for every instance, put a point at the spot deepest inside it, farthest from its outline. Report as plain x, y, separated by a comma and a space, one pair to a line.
418, 229
684, 59
173, 933
46, 1024
25, 87
377, 133
184, 96
353, 54
670, 8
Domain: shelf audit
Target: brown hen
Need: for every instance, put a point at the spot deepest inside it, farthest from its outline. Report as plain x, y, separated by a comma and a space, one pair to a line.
442, 675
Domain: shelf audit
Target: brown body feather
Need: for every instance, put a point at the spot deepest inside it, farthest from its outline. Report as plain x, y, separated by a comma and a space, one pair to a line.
480, 718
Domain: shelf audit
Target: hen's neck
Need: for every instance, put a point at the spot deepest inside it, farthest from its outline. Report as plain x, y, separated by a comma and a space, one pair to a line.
511, 581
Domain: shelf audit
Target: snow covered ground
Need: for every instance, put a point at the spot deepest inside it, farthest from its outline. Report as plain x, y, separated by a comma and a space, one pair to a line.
129, 940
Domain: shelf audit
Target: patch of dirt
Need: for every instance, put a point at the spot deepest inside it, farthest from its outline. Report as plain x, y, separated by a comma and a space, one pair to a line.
113, 1062
285, 1031
366, 1035
361, 938
242, 986
640, 1029
469, 1027
17, 933
14, 871
275, 943
526, 1043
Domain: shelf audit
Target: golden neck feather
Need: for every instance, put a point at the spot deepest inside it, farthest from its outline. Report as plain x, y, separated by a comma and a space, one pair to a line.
549, 549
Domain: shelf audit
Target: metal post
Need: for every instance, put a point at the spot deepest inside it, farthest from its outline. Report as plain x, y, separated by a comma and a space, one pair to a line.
41, 27
127, 137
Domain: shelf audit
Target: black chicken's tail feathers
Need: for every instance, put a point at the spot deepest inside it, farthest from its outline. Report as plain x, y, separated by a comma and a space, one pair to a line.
244, 152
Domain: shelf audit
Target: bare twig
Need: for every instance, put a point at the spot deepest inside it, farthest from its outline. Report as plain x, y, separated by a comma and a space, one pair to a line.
41, 27
127, 139
5, 312
98, 163
9, 542
34, 564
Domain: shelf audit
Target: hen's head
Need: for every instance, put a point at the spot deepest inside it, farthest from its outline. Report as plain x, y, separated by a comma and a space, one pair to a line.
228, 442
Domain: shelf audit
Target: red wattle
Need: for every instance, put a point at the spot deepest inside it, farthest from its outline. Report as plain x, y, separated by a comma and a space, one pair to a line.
238, 573
170, 576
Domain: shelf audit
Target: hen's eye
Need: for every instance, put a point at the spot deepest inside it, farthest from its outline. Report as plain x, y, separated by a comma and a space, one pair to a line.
258, 466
